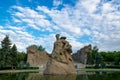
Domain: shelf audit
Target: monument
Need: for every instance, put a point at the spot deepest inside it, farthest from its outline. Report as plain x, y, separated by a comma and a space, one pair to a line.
83, 55
36, 58
60, 61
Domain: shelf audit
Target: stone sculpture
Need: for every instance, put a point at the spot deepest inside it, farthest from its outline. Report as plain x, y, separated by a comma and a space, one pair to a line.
61, 61
36, 58
83, 55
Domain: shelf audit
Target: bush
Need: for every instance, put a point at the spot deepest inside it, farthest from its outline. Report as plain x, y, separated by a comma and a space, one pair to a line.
28, 68
114, 66
5, 68
89, 66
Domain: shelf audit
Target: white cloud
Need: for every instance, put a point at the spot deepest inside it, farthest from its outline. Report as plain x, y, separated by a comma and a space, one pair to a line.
63, 19
16, 28
57, 2
7, 32
86, 31
107, 7
89, 5
1, 27
43, 8
34, 19
16, 20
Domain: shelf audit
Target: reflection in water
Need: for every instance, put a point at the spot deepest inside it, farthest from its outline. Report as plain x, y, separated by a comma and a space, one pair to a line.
38, 76
80, 76
22, 76
7, 76
35, 76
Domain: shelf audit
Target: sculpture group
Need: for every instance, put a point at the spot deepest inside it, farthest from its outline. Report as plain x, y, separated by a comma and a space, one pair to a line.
61, 61
61, 50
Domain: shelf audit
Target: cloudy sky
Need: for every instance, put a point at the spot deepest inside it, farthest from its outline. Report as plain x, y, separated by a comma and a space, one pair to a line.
83, 22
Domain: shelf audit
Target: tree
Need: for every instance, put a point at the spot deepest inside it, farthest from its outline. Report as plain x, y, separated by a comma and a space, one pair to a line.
109, 57
40, 48
117, 58
5, 52
21, 56
1, 59
22, 60
14, 56
94, 53
98, 60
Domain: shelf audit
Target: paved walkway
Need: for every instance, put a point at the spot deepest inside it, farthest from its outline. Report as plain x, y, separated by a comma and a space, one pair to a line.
16, 71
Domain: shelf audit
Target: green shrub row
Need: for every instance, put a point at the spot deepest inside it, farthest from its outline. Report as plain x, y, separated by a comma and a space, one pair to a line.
112, 67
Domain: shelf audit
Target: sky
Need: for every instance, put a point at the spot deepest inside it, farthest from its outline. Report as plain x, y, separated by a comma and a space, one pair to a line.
83, 22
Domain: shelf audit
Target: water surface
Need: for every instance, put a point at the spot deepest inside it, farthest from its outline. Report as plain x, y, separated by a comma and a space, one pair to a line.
81, 76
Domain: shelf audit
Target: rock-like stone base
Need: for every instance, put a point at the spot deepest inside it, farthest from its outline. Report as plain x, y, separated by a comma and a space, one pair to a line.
56, 67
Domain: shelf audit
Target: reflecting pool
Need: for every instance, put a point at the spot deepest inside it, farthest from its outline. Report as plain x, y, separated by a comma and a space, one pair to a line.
82, 76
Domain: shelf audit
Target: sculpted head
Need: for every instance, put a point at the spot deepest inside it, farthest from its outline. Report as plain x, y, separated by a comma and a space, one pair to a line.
57, 36
62, 38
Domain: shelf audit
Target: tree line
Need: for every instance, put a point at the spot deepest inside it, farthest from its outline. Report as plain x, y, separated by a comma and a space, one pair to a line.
102, 58
9, 55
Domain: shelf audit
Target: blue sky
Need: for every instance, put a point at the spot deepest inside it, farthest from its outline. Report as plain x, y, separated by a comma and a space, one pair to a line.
83, 22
